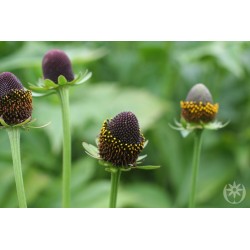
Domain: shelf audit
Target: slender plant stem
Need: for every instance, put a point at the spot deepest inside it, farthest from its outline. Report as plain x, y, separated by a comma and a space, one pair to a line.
14, 136
195, 168
115, 178
63, 92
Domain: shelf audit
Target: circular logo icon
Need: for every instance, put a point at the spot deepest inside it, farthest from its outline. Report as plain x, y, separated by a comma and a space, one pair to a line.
234, 194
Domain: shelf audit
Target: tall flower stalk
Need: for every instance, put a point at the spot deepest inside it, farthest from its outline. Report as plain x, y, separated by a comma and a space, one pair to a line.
63, 93
14, 137
119, 144
58, 77
15, 113
195, 167
115, 179
198, 113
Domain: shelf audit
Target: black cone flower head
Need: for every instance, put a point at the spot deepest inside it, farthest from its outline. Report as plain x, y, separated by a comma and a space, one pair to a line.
56, 63
120, 140
15, 102
199, 106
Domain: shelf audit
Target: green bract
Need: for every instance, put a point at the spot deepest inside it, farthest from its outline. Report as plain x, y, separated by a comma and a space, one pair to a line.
46, 86
186, 128
24, 124
93, 151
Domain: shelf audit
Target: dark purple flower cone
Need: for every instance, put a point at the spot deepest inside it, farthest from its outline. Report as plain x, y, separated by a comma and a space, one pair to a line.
15, 102
120, 140
9, 81
56, 63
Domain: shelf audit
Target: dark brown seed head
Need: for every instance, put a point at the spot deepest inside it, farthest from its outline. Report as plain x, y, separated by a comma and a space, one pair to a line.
199, 106
56, 63
15, 102
120, 140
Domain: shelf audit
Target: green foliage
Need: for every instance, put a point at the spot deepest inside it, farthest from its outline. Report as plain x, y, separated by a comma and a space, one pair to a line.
149, 79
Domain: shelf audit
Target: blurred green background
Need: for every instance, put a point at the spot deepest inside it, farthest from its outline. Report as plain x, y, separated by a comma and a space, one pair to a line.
149, 79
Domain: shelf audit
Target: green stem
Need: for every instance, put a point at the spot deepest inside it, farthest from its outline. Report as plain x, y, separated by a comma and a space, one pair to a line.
195, 168
115, 178
63, 92
14, 136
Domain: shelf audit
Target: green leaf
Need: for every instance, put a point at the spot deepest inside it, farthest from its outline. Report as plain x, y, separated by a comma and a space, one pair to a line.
149, 167
83, 171
95, 194
133, 195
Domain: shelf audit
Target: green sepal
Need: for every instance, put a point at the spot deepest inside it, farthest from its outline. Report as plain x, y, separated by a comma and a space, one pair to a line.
37, 127
62, 80
81, 78
43, 87
25, 124
114, 169
50, 84
47, 93
22, 124
125, 169
46, 86
149, 167
3, 123
39, 89
145, 144
91, 150
186, 128
111, 169
141, 158
216, 125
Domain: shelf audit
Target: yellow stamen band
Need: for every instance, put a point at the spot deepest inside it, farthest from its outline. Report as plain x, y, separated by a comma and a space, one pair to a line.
199, 112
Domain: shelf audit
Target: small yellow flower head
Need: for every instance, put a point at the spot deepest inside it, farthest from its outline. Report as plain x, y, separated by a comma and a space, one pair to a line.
199, 106
15, 101
120, 140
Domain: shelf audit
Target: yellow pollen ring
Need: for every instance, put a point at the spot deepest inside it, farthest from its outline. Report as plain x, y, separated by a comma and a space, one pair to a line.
195, 112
